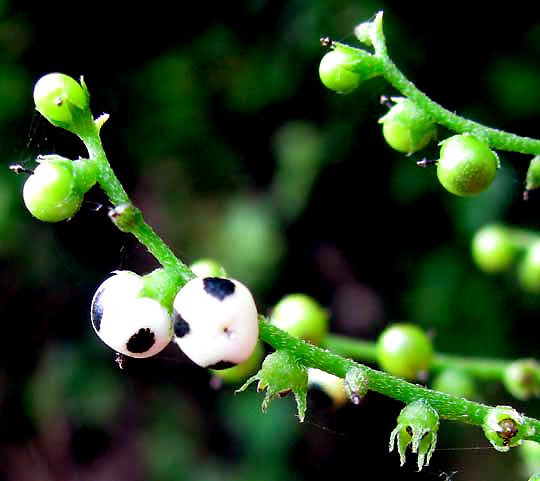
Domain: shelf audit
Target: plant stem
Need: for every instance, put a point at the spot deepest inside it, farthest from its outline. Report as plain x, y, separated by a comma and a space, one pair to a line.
479, 368
448, 406
118, 196
497, 139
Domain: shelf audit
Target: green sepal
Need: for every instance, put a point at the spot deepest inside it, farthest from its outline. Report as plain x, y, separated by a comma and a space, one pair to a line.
361, 62
126, 217
162, 285
281, 374
532, 180
504, 428
85, 172
417, 426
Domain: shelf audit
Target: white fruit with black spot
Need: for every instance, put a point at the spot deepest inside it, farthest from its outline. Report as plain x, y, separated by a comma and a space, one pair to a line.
129, 324
215, 322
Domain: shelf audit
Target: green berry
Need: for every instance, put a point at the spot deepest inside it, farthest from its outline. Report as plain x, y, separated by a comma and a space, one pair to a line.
493, 249
301, 316
343, 68
529, 268
504, 428
404, 350
49, 193
522, 378
241, 371
406, 128
417, 426
208, 268
335, 75
58, 97
467, 166
455, 382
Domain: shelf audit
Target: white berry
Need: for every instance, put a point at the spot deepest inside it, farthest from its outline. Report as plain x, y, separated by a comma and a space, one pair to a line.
215, 322
129, 324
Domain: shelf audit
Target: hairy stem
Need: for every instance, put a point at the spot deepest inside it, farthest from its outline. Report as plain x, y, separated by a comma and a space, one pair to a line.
479, 368
497, 139
118, 196
448, 406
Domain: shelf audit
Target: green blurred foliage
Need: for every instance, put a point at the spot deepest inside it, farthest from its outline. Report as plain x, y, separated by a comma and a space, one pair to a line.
224, 136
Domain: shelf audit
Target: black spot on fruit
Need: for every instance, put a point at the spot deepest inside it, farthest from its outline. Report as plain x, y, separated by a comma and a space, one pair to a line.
141, 341
181, 326
221, 365
218, 287
97, 310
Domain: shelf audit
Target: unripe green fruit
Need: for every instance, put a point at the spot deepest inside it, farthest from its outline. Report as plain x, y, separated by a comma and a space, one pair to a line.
493, 249
467, 166
455, 382
49, 192
404, 350
522, 378
301, 316
335, 75
208, 268
406, 128
529, 268
57, 96
243, 370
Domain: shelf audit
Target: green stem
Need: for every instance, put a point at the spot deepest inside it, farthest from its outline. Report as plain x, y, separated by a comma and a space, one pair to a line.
118, 196
497, 139
447, 406
479, 368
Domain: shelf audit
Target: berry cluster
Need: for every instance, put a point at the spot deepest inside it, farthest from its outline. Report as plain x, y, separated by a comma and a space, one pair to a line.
496, 248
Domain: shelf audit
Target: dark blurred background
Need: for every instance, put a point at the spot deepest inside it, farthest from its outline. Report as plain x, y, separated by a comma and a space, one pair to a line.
222, 133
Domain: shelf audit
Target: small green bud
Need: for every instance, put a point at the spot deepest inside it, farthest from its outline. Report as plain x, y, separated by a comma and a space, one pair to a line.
404, 350
503, 427
529, 453
417, 426
529, 268
356, 384
406, 128
522, 378
208, 268
60, 98
467, 166
493, 249
344, 68
281, 374
49, 193
126, 217
535, 477
301, 316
